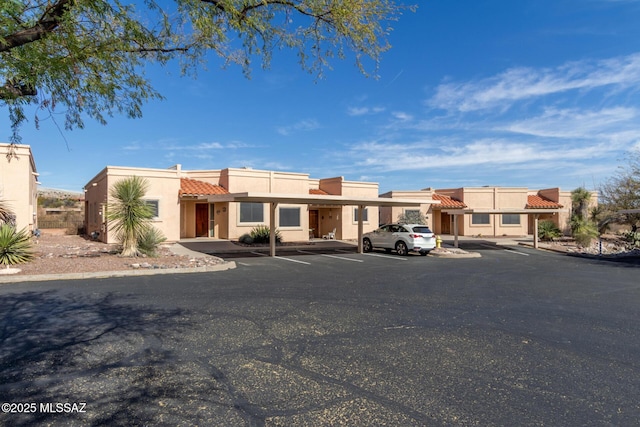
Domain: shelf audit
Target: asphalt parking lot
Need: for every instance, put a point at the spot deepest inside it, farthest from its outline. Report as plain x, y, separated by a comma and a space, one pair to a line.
517, 337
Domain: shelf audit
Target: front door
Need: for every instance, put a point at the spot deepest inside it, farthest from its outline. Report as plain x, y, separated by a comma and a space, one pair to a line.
313, 224
202, 220
445, 223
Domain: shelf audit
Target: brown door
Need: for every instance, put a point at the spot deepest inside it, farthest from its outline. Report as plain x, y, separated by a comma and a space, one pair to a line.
202, 220
445, 223
313, 224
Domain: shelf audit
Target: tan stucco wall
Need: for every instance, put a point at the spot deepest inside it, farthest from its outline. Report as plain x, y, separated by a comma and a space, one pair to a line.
177, 217
347, 222
163, 187
491, 198
488, 199
18, 184
391, 214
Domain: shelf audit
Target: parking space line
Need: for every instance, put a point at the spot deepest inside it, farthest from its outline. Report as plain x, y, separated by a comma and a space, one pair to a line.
387, 256
281, 257
292, 260
330, 256
505, 249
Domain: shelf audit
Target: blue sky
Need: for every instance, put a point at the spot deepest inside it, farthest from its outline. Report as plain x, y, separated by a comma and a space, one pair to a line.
533, 93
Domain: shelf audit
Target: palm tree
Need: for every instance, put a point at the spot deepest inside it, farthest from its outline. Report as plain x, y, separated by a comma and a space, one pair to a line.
128, 213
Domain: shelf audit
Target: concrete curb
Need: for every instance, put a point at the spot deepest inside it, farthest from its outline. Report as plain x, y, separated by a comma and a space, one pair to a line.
454, 255
227, 265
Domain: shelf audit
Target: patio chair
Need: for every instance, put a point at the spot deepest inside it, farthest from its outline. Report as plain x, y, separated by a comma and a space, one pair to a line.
330, 235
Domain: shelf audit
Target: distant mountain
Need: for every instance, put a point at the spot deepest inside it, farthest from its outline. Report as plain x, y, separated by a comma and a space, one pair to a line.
54, 193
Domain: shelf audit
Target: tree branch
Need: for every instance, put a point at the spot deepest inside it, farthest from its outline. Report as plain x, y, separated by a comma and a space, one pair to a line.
49, 21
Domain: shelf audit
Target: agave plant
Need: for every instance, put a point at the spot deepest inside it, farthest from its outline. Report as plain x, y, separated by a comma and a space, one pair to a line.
548, 230
262, 234
15, 246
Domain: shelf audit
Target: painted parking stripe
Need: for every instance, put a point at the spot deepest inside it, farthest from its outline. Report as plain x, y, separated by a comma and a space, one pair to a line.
332, 256
292, 260
513, 251
281, 257
386, 256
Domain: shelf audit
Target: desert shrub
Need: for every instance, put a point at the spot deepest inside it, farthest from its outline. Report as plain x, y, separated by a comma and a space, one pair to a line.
261, 234
548, 230
246, 239
150, 240
15, 246
412, 217
632, 238
583, 231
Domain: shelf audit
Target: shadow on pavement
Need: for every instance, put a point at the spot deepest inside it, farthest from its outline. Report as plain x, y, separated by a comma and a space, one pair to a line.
86, 349
229, 250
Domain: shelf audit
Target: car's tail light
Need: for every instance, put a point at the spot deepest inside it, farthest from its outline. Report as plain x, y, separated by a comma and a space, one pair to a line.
415, 236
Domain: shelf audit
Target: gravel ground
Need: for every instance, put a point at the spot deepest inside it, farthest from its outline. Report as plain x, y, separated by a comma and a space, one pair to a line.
58, 254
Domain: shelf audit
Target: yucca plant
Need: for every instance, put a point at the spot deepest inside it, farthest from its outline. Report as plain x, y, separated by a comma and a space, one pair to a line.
6, 214
15, 246
149, 241
128, 213
583, 231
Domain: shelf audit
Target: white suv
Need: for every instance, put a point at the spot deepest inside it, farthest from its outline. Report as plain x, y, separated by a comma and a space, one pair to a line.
401, 237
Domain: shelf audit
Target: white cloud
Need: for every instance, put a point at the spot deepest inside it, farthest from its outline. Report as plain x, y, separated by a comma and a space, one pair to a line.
493, 152
363, 111
521, 83
301, 126
575, 123
402, 116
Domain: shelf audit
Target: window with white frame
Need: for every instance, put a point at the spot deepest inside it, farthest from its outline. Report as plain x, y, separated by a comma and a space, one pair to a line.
155, 207
365, 215
251, 212
510, 219
480, 219
289, 217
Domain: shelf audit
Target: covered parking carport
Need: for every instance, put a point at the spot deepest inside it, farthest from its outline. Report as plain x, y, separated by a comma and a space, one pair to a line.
493, 212
314, 199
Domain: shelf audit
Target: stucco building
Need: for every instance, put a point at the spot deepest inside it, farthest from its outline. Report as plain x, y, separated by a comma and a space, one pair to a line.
487, 211
19, 183
206, 203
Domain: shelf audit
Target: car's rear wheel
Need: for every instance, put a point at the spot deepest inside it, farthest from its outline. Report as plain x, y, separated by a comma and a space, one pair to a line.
402, 249
424, 253
366, 245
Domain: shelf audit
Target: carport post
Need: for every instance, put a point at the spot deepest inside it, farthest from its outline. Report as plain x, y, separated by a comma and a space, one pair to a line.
272, 229
535, 231
455, 230
360, 227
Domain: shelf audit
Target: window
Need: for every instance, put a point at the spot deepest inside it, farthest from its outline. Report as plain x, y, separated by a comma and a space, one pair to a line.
480, 219
289, 217
155, 207
510, 219
365, 215
251, 212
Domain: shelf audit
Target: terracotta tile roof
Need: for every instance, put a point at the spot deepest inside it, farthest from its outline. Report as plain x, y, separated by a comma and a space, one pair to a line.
447, 201
193, 187
319, 192
539, 202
